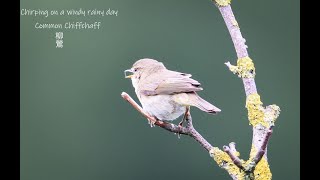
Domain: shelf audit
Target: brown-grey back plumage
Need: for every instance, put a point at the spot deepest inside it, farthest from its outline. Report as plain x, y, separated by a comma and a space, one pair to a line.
165, 81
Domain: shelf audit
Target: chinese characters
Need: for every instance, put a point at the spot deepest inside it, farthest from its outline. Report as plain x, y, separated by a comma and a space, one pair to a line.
59, 41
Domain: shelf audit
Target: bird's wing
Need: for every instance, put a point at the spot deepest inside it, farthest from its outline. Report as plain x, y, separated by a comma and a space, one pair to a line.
171, 82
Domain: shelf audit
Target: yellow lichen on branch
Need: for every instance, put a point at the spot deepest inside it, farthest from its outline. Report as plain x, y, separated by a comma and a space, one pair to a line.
222, 2
262, 170
260, 115
244, 69
255, 110
224, 161
272, 112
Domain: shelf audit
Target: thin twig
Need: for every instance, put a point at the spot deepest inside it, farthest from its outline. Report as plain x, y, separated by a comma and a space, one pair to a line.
250, 168
196, 135
263, 147
235, 159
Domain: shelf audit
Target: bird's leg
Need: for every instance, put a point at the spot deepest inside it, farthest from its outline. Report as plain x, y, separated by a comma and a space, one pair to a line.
184, 116
183, 119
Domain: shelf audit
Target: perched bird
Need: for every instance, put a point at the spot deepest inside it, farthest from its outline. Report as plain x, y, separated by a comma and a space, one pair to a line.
166, 94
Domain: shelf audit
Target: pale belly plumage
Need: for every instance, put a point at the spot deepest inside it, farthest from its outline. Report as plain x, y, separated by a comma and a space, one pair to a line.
162, 107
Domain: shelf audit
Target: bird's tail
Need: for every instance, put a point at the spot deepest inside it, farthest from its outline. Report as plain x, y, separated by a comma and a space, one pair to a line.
202, 104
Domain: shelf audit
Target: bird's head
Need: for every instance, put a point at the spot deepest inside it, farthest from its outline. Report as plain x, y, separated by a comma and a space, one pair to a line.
142, 68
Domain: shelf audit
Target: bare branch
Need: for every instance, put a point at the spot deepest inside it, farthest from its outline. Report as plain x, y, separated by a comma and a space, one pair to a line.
195, 135
234, 30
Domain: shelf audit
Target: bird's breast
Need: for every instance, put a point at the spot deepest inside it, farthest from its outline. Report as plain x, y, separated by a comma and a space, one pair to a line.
163, 107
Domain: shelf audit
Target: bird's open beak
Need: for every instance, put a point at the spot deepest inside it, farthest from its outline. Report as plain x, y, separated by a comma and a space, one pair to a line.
128, 76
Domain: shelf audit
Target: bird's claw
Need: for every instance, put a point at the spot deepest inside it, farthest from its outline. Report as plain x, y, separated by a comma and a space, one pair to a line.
151, 123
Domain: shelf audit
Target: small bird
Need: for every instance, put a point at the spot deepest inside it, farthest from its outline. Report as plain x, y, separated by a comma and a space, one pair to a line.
166, 94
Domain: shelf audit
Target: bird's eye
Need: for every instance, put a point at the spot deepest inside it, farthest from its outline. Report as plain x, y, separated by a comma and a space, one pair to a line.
135, 70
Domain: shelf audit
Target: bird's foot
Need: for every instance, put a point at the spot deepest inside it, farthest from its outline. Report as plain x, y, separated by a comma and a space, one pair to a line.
180, 126
179, 135
151, 123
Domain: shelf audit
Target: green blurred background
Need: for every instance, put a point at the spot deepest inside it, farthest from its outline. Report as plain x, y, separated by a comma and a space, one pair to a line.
76, 126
